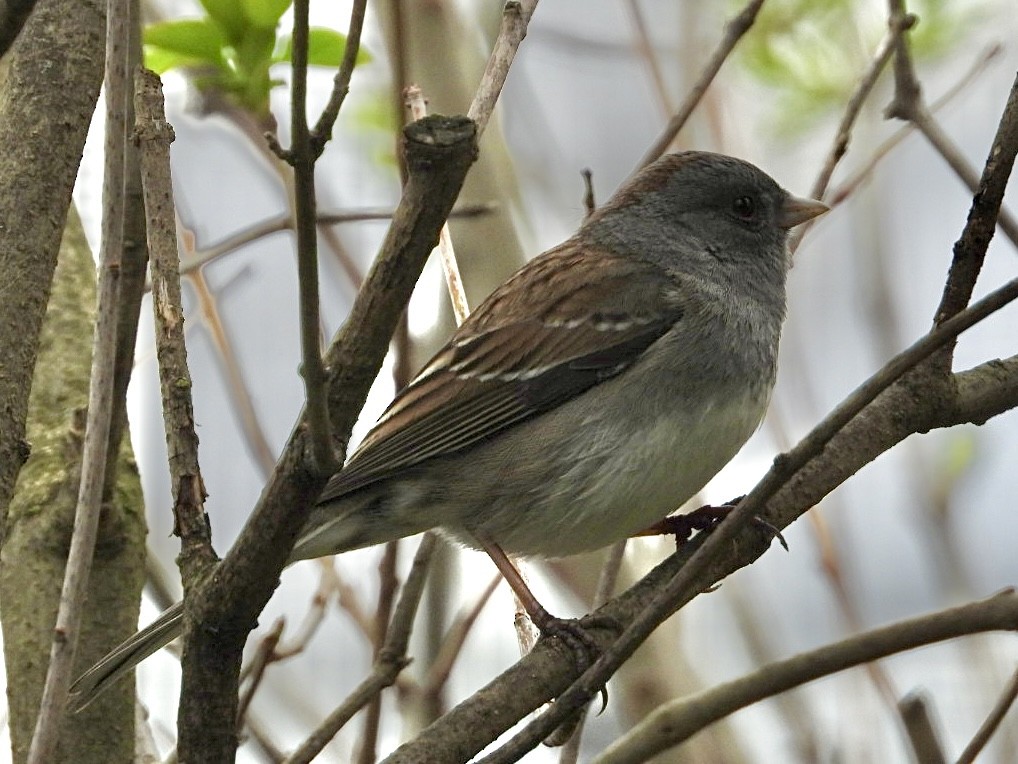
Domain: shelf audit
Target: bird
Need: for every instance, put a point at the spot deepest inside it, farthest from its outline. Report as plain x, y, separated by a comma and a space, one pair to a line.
587, 398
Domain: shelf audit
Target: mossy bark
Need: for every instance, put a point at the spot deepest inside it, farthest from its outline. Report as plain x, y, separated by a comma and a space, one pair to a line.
40, 519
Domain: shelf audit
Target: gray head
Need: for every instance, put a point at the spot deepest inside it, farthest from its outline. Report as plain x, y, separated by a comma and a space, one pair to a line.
704, 209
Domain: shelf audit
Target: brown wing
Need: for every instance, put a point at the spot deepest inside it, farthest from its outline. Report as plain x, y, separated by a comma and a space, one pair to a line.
533, 344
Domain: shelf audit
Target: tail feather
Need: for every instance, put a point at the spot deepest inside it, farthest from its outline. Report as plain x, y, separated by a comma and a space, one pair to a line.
125, 657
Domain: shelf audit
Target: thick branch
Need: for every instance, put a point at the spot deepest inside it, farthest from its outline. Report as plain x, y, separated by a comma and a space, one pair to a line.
13, 15
970, 249
439, 151
53, 75
882, 412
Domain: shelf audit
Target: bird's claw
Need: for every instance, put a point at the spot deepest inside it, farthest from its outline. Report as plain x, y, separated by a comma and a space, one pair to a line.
705, 519
575, 634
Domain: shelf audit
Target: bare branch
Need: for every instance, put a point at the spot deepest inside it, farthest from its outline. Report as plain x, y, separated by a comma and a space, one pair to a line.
992, 722
914, 710
852, 109
970, 249
675, 722
438, 672
734, 31
439, 152
154, 136
202, 257
264, 655
515, 18
95, 448
390, 661
341, 85
303, 154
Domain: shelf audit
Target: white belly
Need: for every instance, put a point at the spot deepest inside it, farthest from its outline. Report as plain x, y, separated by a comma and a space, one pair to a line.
621, 484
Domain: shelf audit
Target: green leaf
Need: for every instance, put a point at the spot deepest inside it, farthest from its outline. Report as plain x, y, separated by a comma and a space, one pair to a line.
265, 13
229, 16
325, 48
161, 61
186, 40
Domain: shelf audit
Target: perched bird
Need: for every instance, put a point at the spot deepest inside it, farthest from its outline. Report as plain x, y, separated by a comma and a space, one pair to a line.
589, 396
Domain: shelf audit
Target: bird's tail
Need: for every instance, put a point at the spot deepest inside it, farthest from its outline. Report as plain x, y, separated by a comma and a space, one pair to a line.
125, 657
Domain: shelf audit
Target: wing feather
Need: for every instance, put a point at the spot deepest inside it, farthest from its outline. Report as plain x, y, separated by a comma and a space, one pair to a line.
533, 345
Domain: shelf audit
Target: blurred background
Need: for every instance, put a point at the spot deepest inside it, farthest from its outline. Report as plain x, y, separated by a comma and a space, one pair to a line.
930, 524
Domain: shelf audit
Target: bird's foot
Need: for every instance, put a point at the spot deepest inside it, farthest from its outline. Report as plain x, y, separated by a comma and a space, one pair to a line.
704, 520
575, 634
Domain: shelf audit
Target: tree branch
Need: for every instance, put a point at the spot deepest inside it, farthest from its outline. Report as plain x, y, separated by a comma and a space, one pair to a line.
992, 722
302, 156
439, 151
875, 417
986, 205
391, 658
675, 722
154, 136
734, 31
341, 85
515, 19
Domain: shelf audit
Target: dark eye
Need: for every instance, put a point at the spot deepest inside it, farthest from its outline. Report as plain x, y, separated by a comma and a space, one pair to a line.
744, 207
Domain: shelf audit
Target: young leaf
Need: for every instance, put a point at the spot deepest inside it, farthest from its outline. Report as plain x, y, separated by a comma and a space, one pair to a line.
265, 13
325, 48
188, 40
229, 16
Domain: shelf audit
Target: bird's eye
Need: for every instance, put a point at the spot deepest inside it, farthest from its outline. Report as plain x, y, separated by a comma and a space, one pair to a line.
744, 207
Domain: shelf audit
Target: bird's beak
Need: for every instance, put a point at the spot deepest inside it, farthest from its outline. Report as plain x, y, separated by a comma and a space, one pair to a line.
796, 211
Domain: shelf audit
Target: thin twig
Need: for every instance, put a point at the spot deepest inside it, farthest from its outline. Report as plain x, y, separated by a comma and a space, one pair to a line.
134, 252
515, 18
94, 452
264, 655
341, 84
675, 722
446, 253
852, 109
934, 133
202, 257
441, 667
907, 91
388, 583
734, 31
328, 585
302, 156
970, 249
589, 200
917, 717
992, 722
390, 661
154, 136
645, 48
240, 396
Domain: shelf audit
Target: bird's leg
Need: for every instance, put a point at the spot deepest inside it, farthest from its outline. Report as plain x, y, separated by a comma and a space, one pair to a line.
704, 519
571, 632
